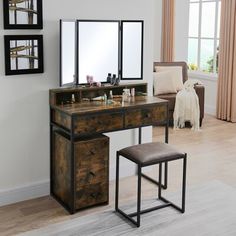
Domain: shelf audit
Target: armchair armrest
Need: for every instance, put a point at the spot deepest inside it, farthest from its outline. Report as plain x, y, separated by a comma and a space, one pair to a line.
200, 90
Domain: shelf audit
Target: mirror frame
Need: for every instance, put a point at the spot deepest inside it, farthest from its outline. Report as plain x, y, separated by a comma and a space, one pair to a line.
120, 48
77, 49
60, 54
141, 56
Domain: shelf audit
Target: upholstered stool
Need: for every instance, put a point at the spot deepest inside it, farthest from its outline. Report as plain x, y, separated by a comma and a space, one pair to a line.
146, 155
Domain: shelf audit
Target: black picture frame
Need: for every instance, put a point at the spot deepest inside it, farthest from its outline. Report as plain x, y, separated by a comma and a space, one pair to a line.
36, 9
26, 56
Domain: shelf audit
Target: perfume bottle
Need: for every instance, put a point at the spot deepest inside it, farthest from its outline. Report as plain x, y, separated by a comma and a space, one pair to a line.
105, 98
111, 95
109, 78
73, 98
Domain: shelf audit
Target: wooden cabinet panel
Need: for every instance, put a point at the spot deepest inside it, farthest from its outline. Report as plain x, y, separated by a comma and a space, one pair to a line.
61, 119
92, 162
145, 116
92, 195
61, 168
91, 170
98, 123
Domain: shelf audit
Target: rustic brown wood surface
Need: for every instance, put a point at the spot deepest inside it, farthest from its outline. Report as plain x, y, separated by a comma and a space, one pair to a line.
98, 123
91, 170
92, 195
92, 161
61, 168
145, 116
61, 119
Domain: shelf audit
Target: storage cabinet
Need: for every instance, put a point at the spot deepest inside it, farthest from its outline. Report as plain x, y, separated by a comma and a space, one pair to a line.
80, 172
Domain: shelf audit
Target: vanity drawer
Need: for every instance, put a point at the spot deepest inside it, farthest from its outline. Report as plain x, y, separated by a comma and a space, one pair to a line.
145, 116
91, 195
92, 161
98, 123
61, 119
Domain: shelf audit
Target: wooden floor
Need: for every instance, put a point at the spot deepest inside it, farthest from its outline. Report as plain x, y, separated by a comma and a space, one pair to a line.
211, 156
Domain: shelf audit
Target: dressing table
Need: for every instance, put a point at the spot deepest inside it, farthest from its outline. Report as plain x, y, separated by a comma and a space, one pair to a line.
79, 151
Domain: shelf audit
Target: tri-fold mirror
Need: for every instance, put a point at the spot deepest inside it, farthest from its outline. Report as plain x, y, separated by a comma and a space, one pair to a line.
99, 47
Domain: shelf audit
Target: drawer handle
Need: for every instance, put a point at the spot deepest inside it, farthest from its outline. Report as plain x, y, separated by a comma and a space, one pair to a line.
92, 152
94, 195
92, 174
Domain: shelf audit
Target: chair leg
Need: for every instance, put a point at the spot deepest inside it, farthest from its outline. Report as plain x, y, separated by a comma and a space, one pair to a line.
139, 195
184, 183
117, 181
160, 180
200, 123
166, 176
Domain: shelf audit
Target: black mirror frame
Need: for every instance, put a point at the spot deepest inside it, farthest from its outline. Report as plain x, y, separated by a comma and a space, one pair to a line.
121, 48
60, 54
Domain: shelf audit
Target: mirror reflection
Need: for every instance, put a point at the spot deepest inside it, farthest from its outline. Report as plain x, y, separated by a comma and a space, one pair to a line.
67, 52
98, 50
132, 50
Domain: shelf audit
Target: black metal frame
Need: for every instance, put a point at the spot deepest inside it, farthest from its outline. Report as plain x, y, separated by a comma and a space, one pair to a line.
165, 185
7, 24
167, 203
8, 70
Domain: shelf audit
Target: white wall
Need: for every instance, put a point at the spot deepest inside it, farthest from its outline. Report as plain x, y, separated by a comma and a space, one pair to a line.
157, 30
181, 29
24, 110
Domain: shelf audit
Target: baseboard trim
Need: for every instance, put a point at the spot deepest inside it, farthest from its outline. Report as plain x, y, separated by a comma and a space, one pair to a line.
23, 193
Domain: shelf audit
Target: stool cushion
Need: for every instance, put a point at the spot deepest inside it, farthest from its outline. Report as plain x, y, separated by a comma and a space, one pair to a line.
151, 153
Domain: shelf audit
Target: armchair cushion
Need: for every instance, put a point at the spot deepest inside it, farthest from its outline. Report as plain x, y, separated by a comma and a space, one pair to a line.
176, 73
163, 83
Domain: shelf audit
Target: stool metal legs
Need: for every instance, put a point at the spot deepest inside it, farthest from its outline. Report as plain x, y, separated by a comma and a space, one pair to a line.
129, 217
139, 196
165, 185
167, 203
182, 208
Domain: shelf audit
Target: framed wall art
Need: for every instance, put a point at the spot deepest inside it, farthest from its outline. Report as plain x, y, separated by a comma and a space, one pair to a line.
23, 14
23, 54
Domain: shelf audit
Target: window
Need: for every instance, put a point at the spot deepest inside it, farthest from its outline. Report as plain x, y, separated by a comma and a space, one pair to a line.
204, 32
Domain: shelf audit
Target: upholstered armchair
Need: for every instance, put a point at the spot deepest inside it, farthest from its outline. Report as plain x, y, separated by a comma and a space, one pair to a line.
200, 90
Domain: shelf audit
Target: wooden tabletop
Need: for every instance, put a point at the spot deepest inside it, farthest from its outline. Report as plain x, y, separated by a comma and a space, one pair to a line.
100, 106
